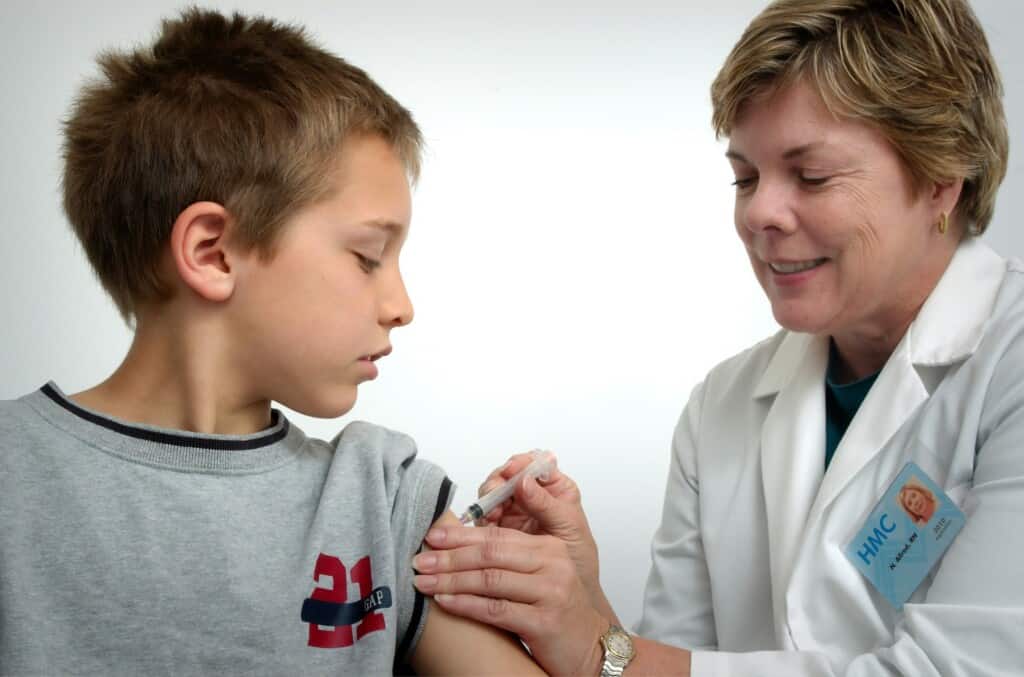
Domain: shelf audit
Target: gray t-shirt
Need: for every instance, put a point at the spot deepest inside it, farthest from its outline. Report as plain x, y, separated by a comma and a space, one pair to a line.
130, 549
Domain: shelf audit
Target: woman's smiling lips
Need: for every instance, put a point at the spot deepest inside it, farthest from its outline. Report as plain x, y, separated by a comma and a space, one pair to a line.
791, 273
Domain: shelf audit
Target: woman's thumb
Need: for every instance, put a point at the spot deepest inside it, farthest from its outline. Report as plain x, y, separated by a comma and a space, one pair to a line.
555, 517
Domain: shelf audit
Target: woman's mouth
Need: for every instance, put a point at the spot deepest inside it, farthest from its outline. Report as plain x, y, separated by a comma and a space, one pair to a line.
790, 268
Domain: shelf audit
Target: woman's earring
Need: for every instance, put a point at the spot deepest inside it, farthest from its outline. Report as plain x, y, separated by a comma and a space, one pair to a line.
943, 223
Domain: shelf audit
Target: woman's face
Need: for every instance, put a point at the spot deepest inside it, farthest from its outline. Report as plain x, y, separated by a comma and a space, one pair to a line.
838, 238
916, 502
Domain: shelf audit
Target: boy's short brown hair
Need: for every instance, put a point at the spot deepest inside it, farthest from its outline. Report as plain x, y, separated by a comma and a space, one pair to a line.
919, 70
245, 112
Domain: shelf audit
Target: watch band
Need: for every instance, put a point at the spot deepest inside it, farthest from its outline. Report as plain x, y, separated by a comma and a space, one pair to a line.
614, 662
609, 670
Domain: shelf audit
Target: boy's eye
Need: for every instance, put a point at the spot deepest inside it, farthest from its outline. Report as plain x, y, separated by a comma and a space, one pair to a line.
366, 263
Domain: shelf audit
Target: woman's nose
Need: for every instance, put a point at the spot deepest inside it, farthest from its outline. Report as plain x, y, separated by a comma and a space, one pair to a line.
766, 207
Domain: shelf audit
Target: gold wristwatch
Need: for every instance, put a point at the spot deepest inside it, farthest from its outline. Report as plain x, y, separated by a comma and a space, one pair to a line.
618, 651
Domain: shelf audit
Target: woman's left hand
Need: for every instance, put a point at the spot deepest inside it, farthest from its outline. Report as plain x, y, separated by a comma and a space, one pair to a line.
525, 583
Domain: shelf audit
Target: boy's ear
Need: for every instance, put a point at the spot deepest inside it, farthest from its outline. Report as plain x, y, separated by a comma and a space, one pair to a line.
199, 250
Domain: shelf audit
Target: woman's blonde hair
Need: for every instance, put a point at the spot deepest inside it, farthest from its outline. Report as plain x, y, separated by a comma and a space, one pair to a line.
919, 70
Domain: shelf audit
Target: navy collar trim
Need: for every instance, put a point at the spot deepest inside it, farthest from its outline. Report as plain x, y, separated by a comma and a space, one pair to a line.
277, 431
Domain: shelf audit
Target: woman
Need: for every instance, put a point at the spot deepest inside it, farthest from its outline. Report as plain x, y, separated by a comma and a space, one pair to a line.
918, 503
868, 141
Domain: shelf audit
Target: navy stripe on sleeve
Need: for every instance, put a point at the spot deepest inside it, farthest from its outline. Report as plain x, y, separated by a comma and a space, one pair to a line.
417, 608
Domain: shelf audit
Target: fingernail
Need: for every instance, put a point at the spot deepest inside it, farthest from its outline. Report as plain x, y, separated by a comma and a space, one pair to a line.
443, 598
528, 486
424, 560
424, 583
436, 535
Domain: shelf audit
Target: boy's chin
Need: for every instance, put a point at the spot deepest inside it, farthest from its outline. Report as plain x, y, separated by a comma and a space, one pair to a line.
331, 403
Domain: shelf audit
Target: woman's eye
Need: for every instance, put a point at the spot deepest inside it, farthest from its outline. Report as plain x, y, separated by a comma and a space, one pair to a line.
742, 183
366, 263
814, 180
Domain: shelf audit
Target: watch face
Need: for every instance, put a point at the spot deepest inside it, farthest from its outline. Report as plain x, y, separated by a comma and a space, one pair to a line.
620, 645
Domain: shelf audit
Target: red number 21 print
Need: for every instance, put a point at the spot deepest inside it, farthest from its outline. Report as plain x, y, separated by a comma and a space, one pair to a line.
362, 575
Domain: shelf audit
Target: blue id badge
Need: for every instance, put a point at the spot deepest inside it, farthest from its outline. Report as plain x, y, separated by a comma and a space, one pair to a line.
905, 535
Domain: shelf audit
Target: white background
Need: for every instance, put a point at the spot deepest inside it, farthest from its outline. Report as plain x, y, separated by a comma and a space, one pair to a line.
572, 258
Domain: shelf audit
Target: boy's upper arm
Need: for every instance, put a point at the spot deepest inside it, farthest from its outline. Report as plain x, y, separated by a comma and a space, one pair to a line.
458, 646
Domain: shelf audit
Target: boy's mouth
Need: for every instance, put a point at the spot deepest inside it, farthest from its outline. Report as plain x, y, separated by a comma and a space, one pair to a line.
376, 356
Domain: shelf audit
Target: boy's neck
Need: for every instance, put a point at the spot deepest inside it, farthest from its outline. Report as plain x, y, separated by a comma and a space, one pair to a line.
179, 378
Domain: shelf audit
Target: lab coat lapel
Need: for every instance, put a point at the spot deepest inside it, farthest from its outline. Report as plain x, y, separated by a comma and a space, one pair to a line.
792, 450
895, 395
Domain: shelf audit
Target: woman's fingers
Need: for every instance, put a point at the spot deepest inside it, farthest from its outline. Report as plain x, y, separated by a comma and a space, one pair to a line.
511, 616
553, 515
494, 583
510, 514
548, 609
492, 552
457, 537
515, 464
503, 473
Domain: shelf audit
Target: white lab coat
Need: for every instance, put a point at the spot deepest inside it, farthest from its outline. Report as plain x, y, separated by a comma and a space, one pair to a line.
748, 563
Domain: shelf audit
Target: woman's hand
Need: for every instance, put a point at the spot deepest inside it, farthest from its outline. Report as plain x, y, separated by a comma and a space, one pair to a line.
524, 583
538, 579
511, 514
557, 511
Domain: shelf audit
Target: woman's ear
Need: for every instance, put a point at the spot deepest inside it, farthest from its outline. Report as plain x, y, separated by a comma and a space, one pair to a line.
945, 196
200, 253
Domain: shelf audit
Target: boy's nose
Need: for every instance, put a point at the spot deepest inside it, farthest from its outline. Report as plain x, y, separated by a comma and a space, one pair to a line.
396, 310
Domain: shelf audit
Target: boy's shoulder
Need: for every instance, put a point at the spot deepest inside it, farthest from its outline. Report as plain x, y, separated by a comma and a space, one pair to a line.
360, 447
13, 408
20, 414
375, 440
379, 454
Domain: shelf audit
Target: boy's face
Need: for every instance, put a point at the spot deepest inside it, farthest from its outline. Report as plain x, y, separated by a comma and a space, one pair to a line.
310, 323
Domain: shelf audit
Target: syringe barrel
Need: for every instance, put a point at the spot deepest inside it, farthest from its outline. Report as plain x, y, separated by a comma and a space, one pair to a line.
540, 466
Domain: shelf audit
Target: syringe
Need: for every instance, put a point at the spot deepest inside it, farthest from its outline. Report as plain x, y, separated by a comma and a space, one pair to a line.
540, 466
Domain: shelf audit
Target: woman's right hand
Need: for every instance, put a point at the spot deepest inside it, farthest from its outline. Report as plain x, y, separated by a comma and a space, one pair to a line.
557, 511
526, 583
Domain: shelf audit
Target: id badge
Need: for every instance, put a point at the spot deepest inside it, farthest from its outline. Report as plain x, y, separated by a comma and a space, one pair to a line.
905, 535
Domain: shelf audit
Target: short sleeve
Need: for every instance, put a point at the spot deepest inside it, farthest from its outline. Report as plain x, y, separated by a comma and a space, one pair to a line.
424, 494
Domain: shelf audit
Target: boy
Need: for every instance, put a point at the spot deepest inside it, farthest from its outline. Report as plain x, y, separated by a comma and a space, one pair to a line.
243, 196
